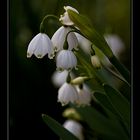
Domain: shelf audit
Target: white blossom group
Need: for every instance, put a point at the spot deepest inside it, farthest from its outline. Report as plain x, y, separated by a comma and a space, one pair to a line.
61, 46
69, 93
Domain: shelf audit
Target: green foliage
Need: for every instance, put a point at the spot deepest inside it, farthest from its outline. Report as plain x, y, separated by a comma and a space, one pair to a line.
91, 34
58, 129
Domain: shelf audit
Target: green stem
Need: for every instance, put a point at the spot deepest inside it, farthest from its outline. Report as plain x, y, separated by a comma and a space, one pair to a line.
120, 67
44, 22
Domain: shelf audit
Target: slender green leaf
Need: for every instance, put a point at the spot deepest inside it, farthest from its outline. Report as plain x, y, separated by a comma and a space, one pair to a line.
106, 103
58, 128
103, 99
119, 102
91, 34
105, 127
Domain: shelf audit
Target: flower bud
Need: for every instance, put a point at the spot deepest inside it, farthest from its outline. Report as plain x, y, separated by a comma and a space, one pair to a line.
64, 19
95, 61
79, 80
71, 113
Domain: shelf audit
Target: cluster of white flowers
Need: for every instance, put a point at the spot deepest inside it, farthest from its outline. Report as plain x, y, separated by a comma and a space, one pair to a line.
62, 46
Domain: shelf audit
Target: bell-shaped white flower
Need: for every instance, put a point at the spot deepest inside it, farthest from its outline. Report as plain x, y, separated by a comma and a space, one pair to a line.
59, 78
67, 93
40, 45
84, 96
75, 128
66, 59
84, 43
64, 19
59, 37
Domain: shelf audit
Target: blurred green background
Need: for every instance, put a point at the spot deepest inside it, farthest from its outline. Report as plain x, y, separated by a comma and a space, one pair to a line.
31, 90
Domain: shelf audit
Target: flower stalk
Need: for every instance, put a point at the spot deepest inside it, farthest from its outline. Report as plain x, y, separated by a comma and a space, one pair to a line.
44, 22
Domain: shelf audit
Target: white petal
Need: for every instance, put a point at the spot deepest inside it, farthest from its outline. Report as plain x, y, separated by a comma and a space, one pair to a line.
67, 93
84, 43
84, 96
59, 37
75, 128
59, 78
72, 41
70, 8
66, 59
115, 42
32, 45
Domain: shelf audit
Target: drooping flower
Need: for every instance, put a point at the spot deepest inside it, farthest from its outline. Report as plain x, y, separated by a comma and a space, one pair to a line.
84, 96
64, 19
66, 59
40, 45
59, 37
84, 43
67, 93
75, 128
59, 78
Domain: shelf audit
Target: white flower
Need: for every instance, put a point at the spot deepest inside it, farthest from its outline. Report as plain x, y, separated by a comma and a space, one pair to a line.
115, 42
65, 17
95, 61
59, 78
75, 128
40, 45
67, 93
66, 59
84, 96
84, 43
59, 36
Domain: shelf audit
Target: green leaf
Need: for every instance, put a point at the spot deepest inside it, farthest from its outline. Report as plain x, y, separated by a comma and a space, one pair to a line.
107, 104
58, 128
105, 127
91, 34
103, 99
119, 102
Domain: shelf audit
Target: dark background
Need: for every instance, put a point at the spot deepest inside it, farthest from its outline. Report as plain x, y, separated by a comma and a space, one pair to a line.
31, 92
